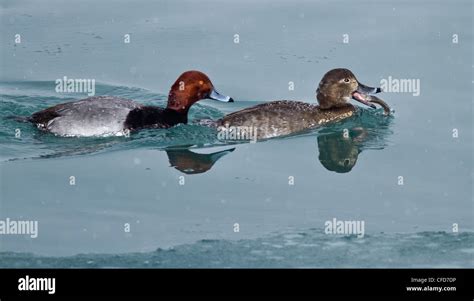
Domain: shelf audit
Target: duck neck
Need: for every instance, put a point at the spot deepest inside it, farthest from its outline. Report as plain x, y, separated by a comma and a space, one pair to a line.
330, 99
154, 117
334, 113
175, 116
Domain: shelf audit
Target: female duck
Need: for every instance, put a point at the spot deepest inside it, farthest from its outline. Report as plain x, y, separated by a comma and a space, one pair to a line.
113, 116
278, 118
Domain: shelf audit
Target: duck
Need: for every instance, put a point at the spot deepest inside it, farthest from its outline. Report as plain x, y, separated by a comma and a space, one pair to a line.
115, 116
284, 117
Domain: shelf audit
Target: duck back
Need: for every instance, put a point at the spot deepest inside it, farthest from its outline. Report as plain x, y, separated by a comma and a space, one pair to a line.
93, 116
280, 118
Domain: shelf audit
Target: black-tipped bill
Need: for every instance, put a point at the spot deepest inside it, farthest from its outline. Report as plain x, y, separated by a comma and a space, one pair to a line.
217, 96
367, 90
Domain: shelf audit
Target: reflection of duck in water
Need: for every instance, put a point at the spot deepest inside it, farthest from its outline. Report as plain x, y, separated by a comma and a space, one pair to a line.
339, 150
190, 162
338, 153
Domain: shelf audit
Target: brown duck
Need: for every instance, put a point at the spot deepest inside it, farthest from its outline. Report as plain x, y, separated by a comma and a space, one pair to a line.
283, 117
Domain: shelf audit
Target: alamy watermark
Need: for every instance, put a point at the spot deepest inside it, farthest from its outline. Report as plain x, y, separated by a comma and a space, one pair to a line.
354, 227
237, 133
401, 85
19, 227
28, 283
71, 85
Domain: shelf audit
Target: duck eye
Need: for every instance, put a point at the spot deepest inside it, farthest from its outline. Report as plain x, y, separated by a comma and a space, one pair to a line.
346, 80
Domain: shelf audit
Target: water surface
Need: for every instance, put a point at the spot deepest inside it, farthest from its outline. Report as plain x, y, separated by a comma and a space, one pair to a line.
136, 181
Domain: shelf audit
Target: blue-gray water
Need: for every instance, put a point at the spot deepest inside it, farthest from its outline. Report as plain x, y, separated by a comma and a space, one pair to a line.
130, 181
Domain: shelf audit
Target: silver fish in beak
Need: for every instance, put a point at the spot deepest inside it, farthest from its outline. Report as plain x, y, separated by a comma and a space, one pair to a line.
362, 94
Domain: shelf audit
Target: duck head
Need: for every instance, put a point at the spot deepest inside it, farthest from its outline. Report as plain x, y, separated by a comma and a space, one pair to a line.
338, 86
190, 87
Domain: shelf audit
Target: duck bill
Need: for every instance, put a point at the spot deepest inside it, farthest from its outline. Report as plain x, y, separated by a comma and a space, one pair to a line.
362, 94
217, 96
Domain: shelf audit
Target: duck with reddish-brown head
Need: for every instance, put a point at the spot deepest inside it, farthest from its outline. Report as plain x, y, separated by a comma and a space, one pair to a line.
114, 116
